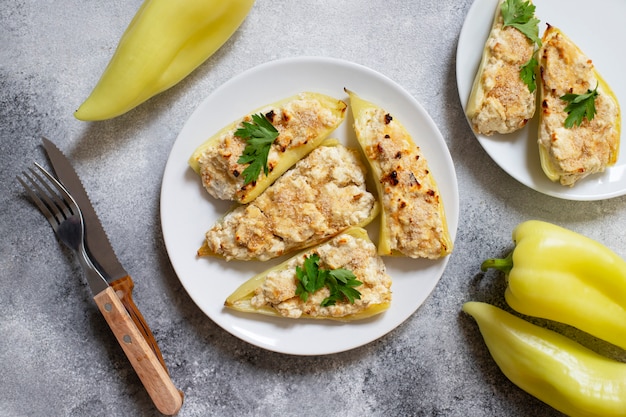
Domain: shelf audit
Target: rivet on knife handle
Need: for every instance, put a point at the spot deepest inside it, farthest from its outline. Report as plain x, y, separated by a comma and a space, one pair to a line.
124, 289
167, 399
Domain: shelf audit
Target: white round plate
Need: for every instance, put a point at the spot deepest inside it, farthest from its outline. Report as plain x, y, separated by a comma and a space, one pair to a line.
597, 28
187, 210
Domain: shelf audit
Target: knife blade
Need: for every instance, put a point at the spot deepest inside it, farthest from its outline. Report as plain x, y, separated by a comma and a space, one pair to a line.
96, 238
98, 245
103, 258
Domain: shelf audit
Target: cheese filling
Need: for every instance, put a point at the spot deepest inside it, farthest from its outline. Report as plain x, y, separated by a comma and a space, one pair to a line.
574, 153
411, 203
298, 122
344, 251
321, 196
500, 101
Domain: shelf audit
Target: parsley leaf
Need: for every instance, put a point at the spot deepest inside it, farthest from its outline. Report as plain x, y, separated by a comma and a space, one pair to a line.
580, 106
528, 74
259, 136
520, 15
340, 282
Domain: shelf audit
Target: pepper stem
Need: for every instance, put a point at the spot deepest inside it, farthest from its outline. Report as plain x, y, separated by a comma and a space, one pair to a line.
501, 264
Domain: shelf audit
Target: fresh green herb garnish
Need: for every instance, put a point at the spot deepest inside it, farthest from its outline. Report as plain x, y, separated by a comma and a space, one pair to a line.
528, 73
340, 282
259, 136
580, 106
521, 15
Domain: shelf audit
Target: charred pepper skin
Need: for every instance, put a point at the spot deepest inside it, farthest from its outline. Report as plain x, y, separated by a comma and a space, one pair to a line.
165, 42
560, 275
553, 368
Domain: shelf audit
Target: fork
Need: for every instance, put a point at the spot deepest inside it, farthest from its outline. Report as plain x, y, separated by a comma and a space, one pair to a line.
64, 216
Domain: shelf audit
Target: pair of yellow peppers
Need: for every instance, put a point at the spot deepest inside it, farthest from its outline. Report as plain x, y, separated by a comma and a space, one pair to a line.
557, 274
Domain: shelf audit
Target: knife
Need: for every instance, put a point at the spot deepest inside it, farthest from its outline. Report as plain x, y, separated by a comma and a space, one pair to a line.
148, 363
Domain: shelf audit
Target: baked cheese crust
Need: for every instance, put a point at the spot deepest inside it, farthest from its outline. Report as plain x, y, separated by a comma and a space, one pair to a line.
413, 219
570, 154
274, 292
500, 102
320, 197
303, 122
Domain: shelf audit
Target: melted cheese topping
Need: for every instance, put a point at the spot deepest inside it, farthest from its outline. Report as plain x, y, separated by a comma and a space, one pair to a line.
412, 208
323, 195
573, 153
500, 101
297, 121
345, 251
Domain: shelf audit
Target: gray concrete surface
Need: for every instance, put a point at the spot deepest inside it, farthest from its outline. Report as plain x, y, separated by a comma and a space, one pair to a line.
57, 357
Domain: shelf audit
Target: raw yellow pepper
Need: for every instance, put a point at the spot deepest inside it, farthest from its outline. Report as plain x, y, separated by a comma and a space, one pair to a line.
560, 275
551, 367
165, 42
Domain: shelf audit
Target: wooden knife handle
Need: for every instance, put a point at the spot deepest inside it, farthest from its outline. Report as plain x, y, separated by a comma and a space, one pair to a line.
124, 289
167, 399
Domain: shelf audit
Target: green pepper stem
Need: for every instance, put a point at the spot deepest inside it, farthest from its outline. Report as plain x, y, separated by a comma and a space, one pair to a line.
501, 264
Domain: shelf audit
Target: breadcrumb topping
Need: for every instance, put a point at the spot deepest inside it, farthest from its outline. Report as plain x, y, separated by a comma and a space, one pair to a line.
411, 205
344, 251
298, 122
574, 153
500, 101
320, 197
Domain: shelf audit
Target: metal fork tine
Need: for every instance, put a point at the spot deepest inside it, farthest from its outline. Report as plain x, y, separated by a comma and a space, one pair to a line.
67, 198
46, 196
37, 199
65, 203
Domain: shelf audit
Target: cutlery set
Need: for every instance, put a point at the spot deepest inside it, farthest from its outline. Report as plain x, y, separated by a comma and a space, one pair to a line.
66, 206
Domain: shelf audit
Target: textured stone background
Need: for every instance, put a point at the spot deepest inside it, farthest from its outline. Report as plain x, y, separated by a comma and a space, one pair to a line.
57, 357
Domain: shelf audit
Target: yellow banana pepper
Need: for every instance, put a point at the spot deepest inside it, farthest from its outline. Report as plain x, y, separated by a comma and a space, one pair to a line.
560, 275
165, 42
556, 370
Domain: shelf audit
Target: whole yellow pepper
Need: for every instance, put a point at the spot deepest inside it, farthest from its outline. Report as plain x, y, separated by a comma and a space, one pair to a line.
165, 42
556, 370
560, 275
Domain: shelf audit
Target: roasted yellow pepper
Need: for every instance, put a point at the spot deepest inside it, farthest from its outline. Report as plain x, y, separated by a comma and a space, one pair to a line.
568, 154
378, 288
165, 41
413, 219
558, 371
560, 275
305, 120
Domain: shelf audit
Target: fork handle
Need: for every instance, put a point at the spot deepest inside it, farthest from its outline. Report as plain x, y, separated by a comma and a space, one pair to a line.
124, 289
167, 399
